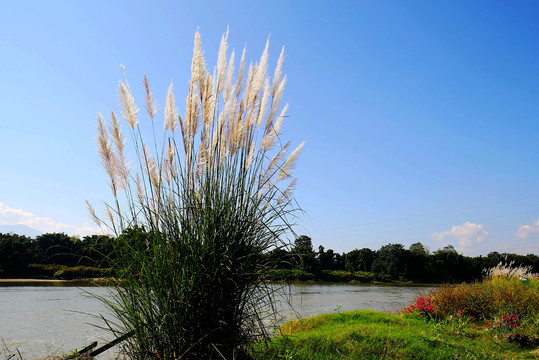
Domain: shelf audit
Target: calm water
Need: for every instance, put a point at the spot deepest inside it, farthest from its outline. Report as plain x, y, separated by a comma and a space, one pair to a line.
46, 321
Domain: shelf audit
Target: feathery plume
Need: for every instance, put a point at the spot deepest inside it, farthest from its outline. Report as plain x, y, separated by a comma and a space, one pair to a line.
104, 146
229, 87
289, 163
117, 136
171, 112
127, 105
91, 211
110, 216
221, 62
285, 195
151, 104
167, 172
241, 74
278, 72
209, 103
249, 93
198, 64
263, 102
140, 192
151, 166
272, 132
250, 156
108, 157
276, 102
192, 114
261, 69
170, 152
122, 167
202, 158
274, 163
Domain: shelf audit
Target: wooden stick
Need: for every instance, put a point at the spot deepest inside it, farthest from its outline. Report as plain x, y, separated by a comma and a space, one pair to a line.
82, 351
112, 343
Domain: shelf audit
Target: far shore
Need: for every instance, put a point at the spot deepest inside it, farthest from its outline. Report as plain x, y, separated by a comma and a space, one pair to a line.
55, 282
108, 281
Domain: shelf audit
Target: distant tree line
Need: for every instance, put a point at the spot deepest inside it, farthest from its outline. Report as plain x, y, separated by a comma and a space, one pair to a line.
416, 263
21, 256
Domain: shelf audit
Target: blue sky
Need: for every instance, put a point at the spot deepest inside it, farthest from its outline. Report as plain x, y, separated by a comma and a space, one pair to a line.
420, 117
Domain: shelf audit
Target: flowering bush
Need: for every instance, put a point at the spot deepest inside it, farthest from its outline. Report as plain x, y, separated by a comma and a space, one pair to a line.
505, 324
422, 306
510, 320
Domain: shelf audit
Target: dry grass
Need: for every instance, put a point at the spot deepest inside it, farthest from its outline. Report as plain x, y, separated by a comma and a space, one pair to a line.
501, 292
509, 271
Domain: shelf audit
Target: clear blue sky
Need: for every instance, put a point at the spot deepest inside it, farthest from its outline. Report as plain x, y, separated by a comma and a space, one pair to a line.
420, 117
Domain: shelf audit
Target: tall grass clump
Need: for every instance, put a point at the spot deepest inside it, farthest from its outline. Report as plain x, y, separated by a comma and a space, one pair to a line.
505, 289
196, 212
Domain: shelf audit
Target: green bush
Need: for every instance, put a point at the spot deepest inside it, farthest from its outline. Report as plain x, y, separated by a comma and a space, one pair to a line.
289, 275
66, 272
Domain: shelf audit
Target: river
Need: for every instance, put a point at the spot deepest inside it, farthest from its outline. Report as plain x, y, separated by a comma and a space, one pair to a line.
48, 321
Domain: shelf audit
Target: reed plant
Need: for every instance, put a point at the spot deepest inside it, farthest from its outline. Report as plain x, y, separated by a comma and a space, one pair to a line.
196, 213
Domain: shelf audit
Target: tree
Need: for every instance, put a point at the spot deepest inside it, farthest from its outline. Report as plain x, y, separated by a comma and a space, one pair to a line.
416, 262
389, 260
16, 253
359, 260
326, 259
279, 258
58, 248
448, 265
419, 248
365, 259
304, 253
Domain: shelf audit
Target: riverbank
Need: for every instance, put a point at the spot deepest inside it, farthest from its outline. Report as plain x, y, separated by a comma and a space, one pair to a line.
108, 282
497, 318
56, 282
367, 334
328, 276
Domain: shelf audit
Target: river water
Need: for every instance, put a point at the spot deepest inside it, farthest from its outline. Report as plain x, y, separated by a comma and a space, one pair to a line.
48, 321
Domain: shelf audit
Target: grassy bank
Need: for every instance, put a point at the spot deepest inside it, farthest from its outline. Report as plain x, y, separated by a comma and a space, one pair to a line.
333, 276
497, 318
374, 335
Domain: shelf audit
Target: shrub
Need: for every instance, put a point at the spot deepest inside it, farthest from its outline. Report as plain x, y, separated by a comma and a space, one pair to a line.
67, 272
200, 215
289, 275
500, 293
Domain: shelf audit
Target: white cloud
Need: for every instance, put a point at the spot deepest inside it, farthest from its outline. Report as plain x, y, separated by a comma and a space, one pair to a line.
10, 216
466, 234
525, 231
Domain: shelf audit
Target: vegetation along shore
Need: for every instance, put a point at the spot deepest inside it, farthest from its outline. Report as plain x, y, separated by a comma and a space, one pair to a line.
497, 318
61, 257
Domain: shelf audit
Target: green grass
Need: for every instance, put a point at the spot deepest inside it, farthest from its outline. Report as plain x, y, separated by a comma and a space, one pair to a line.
338, 276
368, 334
